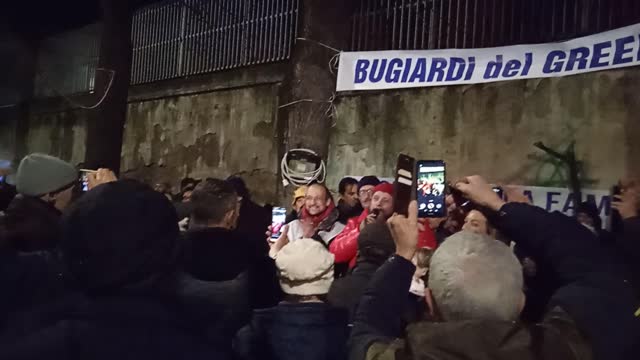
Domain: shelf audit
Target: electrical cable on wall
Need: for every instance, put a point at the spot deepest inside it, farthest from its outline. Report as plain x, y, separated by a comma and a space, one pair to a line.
301, 174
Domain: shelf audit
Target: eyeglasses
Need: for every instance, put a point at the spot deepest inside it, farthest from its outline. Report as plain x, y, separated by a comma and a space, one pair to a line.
365, 192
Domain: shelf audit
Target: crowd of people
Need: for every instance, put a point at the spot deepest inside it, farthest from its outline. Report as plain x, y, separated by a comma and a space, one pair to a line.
129, 271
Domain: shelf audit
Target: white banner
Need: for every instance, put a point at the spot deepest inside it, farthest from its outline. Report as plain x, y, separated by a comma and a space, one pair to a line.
379, 70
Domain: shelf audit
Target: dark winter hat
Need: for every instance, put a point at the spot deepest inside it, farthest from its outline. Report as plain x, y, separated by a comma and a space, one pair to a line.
375, 241
368, 180
119, 234
40, 174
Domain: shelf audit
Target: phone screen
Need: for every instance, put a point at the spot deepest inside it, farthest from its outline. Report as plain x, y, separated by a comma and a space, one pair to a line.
278, 216
431, 188
84, 181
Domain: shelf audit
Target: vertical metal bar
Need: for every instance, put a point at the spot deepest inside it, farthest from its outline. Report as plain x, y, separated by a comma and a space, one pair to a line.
134, 47
148, 63
279, 39
565, 13
401, 30
416, 24
234, 33
290, 27
265, 53
494, 22
145, 50
154, 46
261, 36
576, 18
366, 25
474, 18
440, 23
254, 32
272, 20
393, 29
165, 54
239, 32
222, 26
503, 23
227, 33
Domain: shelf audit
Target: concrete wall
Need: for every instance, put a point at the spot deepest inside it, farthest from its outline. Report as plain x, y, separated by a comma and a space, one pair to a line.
213, 134
62, 134
490, 129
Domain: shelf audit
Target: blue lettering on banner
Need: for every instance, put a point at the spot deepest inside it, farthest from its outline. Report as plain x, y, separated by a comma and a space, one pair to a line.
361, 70
554, 63
437, 68
551, 200
598, 54
622, 50
373, 77
494, 68
511, 68
604, 205
578, 55
420, 71
470, 68
393, 73
527, 63
456, 64
569, 204
407, 68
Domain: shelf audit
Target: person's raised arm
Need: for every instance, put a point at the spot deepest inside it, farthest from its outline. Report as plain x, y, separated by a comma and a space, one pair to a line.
378, 318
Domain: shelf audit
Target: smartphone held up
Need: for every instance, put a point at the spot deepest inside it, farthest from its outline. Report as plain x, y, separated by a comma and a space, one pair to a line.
428, 179
431, 188
278, 216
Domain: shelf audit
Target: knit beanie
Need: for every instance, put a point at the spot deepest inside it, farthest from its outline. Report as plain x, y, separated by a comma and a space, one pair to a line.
368, 180
384, 187
40, 174
306, 268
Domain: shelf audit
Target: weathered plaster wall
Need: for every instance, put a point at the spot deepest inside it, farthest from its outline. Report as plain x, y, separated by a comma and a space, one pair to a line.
213, 134
62, 134
490, 129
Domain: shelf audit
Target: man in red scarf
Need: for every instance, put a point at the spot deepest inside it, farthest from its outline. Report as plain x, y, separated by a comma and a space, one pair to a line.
345, 246
319, 217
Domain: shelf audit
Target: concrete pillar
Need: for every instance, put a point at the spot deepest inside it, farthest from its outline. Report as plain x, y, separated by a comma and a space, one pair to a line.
309, 79
105, 125
309, 84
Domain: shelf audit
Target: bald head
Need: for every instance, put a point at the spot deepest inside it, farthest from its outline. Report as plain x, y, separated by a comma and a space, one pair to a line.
473, 276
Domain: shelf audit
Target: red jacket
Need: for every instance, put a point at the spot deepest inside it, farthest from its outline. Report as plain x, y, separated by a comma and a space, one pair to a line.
345, 246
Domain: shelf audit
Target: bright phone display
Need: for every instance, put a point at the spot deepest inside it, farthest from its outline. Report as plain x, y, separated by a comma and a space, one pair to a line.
278, 216
431, 186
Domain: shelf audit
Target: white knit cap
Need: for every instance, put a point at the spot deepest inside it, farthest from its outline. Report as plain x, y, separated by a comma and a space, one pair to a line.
306, 268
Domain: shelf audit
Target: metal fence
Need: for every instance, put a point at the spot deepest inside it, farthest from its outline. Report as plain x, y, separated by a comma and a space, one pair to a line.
440, 24
67, 62
187, 37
